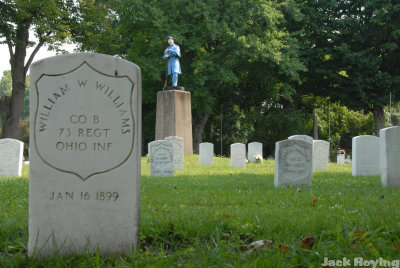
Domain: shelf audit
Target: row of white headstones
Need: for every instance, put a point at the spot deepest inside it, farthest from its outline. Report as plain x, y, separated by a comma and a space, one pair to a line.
371, 156
295, 158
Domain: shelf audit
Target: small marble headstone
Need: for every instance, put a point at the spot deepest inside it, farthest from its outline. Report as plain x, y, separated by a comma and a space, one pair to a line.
238, 155
321, 154
11, 157
161, 158
390, 155
340, 159
293, 162
178, 151
206, 151
85, 135
365, 151
255, 153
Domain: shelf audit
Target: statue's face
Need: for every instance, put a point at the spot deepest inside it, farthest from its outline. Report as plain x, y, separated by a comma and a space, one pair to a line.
170, 41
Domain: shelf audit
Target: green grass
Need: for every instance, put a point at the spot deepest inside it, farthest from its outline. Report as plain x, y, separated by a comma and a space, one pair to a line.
206, 216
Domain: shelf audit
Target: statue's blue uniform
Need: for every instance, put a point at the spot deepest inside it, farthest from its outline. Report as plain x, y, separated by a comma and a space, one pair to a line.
174, 68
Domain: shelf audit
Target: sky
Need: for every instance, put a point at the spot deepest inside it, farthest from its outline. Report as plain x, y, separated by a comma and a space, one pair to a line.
43, 53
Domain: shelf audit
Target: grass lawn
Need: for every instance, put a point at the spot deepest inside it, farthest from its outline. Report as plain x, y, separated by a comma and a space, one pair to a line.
207, 216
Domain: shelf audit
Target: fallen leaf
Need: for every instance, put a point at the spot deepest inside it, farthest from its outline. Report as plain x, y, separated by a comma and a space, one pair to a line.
308, 242
225, 216
283, 247
313, 202
357, 235
259, 244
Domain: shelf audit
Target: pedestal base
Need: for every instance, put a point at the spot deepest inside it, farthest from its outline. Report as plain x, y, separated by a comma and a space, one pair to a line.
174, 117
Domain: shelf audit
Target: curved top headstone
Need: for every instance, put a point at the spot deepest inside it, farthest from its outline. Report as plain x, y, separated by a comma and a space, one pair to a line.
85, 135
301, 137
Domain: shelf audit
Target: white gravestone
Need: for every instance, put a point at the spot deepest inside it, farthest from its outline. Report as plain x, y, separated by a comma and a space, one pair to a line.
340, 159
255, 152
390, 155
321, 154
11, 157
206, 151
161, 158
293, 162
178, 151
85, 134
365, 151
238, 155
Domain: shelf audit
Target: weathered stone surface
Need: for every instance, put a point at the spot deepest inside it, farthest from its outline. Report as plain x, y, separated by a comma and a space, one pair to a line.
293, 162
206, 151
238, 155
11, 157
321, 154
389, 156
365, 152
255, 151
302, 137
161, 158
340, 159
85, 134
178, 151
174, 117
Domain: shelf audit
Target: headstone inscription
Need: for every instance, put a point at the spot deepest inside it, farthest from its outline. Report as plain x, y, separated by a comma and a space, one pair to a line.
321, 154
389, 156
206, 151
11, 157
255, 153
178, 151
365, 151
238, 155
85, 155
293, 162
161, 158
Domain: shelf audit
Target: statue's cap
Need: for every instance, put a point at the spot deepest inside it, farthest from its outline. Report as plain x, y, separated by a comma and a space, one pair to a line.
169, 37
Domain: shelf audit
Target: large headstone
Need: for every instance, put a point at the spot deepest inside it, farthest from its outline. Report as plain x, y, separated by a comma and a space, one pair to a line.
11, 157
85, 155
255, 153
390, 155
161, 158
321, 154
206, 151
293, 162
365, 152
302, 137
238, 155
178, 151
174, 117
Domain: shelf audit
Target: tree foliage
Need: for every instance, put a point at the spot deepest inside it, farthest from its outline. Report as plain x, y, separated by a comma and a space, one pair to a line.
52, 22
352, 50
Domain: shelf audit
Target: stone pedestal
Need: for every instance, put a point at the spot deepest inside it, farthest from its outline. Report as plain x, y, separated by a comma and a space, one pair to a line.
174, 117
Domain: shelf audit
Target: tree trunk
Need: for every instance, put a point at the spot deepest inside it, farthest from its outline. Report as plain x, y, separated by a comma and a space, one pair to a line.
11, 107
379, 116
315, 127
198, 128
